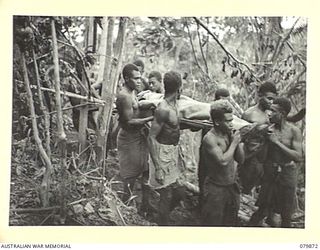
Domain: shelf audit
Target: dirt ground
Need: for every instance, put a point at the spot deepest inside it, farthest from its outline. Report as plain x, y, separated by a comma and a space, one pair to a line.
91, 205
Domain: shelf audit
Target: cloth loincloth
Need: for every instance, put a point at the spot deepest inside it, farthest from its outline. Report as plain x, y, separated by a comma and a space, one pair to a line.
278, 187
133, 153
167, 158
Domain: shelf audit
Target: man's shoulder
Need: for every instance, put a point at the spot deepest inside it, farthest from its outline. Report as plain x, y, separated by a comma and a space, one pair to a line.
122, 92
250, 110
247, 113
293, 128
209, 139
254, 114
161, 112
163, 107
123, 95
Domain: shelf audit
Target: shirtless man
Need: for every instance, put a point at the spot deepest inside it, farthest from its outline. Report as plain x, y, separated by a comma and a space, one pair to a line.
163, 140
132, 142
219, 148
220, 94
251, 171
258, 113
280, 178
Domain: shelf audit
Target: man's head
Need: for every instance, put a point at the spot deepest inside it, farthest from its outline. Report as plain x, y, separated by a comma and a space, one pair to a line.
155, 81
172, 83
131, 76
266, 92
221, 93
139, 63
221, 115
279, 109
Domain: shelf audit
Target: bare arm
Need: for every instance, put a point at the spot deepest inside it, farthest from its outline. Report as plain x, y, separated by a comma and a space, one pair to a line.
214, 150
295, 153
124, 105
246, 116
160, 117
239, 154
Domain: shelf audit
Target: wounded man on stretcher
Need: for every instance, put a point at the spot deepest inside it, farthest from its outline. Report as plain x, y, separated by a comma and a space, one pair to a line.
193, 114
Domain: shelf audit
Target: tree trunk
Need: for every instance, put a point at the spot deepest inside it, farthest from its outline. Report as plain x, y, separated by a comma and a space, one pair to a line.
106, 94
90, 34
119, 49
44, 190
61, 135
83, 118
102, 49
43, 107
109, 86
83, 124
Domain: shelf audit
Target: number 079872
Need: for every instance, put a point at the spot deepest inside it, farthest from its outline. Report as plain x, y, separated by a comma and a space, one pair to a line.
308, 246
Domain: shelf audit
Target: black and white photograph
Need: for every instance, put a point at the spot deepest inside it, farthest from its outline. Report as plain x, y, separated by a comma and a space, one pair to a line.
194, 121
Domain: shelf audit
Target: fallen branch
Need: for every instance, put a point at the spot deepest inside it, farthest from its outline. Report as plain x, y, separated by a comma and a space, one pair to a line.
33, 210
84, 174
76, 202
45, 219
84, 150
44, 209
91, 171
114, 208
120, 215
261, 63
40, 57
73, 95
53, 112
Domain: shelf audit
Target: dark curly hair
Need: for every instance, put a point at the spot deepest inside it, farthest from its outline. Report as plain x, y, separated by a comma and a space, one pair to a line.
267, 87
172, 82
284, 104
127, 70
218, 109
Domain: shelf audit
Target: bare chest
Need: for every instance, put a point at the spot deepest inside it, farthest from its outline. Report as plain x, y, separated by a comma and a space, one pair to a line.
284, 136
223, 143
172, 115
173, 118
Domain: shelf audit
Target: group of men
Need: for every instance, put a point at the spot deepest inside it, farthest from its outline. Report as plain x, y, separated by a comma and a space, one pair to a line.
148, 146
